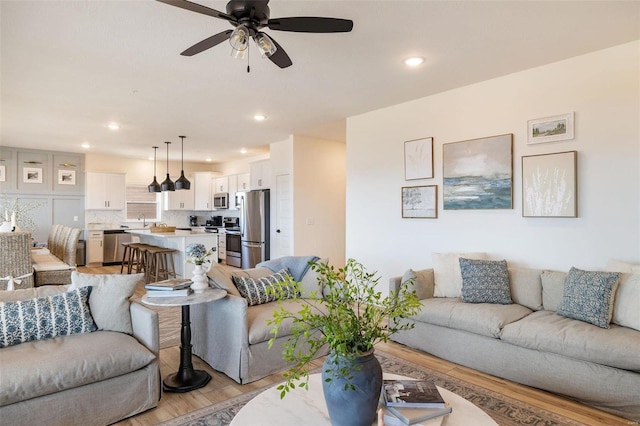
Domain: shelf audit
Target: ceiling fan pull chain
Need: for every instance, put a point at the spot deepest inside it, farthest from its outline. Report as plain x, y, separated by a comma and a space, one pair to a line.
248, 59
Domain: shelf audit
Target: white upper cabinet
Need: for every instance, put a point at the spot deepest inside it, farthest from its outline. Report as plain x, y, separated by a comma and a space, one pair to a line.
203, 190
180, 199
221, 184
260, 174
244, 182
105, 191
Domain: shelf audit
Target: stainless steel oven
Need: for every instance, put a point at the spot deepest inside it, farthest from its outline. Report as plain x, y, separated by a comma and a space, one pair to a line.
234, 249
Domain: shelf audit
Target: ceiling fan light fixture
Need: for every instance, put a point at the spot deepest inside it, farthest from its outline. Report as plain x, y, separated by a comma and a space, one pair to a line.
266, 46
239, 38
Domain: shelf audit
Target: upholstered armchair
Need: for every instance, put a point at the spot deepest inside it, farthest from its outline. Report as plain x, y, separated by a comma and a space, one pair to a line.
233, 337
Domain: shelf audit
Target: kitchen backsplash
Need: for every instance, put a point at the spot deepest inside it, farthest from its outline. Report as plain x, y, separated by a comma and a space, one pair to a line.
113, 219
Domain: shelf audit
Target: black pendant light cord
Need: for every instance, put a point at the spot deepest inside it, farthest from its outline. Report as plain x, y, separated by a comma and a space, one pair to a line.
182, 182
154, 186
168, 185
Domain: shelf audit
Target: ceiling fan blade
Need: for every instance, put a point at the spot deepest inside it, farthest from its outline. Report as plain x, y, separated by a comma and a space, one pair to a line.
280, 57
207, 43
194, 7
305, 24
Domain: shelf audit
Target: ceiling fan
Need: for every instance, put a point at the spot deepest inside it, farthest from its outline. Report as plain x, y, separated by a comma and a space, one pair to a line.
249, 17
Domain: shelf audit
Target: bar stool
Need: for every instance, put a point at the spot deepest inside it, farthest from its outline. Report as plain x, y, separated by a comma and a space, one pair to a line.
138, 258
160, 265
127, 257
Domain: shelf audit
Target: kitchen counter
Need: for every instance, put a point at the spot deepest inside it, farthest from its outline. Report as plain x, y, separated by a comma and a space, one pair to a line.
179, 240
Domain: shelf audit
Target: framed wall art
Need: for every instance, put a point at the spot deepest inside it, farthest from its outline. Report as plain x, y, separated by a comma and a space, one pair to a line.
32, 175
3, 174
550, 129
420, 202
550, 185
66, 177
418, 159
478, 173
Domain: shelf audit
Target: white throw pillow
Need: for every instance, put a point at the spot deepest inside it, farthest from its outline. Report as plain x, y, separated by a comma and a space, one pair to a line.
109, 299
626, 306
446, 272
614, 265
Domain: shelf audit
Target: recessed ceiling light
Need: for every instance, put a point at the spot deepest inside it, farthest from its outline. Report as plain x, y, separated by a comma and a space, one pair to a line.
414, 61
86, 145
259, 117
208, 159
114, 126
243, 151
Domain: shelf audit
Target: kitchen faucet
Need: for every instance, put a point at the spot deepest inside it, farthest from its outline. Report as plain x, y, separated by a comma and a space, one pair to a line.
144, 220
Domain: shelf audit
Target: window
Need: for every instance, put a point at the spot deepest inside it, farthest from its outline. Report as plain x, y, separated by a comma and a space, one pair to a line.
142, 202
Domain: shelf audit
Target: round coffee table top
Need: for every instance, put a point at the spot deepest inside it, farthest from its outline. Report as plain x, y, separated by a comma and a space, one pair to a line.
301, 407
192, 299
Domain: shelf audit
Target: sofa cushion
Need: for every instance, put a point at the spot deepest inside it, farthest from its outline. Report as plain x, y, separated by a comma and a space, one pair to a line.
446, 272
34, 369
626, 307
109, 300
30, 293
45, 317
614, 265
311, 283
259, 315
547, 331
257, 290
422, 282
220, 277
43, 262
588, 296
526, 287
485, 281
552, 289
480, 318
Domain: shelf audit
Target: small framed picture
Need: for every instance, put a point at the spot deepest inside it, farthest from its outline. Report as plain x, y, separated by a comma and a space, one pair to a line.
418, 159
550, 185
32, 175
66, 177
550, 129
3, 174
420, 202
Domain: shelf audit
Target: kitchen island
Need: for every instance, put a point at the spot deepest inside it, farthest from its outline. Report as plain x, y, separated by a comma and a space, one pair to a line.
179, 240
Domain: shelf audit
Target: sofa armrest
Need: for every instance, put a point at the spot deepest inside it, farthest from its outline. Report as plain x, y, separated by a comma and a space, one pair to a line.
144, 323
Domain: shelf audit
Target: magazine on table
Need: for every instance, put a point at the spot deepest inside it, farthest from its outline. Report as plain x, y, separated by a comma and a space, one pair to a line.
399, 416
174, 293
169, 285
411, 393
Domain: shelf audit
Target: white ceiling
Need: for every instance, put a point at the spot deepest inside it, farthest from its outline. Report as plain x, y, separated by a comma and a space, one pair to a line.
70, 67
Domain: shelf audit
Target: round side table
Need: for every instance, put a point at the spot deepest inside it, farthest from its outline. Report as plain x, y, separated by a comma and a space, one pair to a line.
186, 378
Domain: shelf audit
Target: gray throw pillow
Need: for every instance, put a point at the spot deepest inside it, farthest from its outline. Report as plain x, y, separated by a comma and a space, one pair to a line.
255, 289
589, 295
485, 281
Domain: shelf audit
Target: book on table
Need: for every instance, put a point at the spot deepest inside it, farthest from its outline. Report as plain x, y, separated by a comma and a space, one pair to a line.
401, 416
169, 285
411, 393
172, 293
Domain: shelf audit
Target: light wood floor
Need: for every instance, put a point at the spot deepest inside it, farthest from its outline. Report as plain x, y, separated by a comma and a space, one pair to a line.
221, 387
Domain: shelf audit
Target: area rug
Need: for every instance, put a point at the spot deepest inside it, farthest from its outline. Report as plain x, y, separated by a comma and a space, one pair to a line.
504, 410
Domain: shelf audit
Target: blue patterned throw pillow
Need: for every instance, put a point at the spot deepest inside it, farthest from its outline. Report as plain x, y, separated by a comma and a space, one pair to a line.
588, 296
255, 289
45, 317
485, 281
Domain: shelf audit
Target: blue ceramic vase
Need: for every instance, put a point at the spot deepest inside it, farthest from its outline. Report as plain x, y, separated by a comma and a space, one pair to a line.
349, 407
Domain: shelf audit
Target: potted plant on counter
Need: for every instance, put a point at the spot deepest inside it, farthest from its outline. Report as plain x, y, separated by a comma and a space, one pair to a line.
349, 317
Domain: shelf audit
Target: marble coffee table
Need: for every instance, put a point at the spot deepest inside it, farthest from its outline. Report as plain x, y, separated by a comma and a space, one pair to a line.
308, 408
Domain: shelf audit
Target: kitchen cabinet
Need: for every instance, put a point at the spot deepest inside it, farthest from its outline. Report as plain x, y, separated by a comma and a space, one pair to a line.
222, 247
243, 182
233, 188
260, 174
203, 190
105, 191
180, 199
221, 184
95, 250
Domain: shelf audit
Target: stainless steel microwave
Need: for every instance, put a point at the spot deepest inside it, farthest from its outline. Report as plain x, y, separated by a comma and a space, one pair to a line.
221, 200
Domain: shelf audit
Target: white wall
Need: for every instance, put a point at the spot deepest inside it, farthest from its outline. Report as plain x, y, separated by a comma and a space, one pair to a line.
603, 88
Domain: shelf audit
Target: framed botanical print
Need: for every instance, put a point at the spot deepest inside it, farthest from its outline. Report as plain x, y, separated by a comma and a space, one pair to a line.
420, 202
418, 159
550, 185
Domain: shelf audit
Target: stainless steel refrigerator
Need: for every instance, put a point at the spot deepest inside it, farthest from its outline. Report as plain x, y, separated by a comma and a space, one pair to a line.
254, 227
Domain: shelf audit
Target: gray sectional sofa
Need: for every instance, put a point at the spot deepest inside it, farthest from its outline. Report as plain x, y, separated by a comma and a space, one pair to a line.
91, 378
529, 342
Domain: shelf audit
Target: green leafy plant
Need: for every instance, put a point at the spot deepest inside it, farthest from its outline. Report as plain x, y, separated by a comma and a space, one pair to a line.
349, 317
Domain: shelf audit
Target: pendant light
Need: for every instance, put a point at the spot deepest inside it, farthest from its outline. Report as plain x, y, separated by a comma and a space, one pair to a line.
154, 186
182, 182
168, 185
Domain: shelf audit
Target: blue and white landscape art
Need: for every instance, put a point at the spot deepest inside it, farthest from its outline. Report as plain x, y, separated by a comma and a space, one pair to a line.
478, 174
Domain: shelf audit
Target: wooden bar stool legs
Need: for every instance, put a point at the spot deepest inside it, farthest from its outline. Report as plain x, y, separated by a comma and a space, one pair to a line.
160, 264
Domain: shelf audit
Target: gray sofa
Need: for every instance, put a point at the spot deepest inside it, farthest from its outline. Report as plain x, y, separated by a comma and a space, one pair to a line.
94, 378
233, 337
529, 343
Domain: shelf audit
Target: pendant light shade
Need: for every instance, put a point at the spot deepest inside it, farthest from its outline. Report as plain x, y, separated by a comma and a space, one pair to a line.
154, 186
182, 182
168, 184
